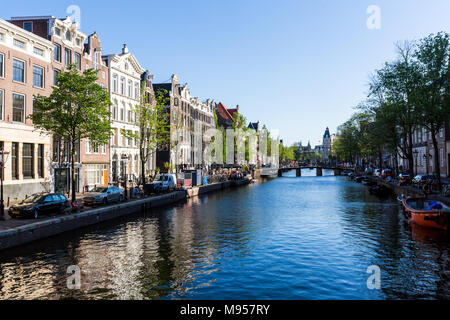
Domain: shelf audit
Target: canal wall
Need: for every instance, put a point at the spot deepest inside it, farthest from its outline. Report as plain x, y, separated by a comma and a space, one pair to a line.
43, 229
33, 231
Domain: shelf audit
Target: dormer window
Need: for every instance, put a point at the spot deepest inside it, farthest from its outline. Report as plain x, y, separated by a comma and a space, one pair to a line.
28, 26
58, 32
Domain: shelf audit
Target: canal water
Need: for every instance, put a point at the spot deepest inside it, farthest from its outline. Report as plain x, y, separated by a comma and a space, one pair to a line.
288, 238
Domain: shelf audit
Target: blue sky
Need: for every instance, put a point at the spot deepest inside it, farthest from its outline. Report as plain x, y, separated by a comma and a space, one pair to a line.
296, 65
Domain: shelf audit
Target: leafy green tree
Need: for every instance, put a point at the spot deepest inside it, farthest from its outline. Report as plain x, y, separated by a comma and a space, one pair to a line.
152, 120
433, 54
78, 108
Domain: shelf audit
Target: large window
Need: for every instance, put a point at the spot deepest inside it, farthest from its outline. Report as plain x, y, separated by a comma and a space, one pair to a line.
2, 103
38, 77
2, 65
18, 70
130, 85
41, 161
15, 160
122, 86
1, 148
114, 84
18, 107
95, 174
28, 161
67, 57
77, 60
57, 53
55, 77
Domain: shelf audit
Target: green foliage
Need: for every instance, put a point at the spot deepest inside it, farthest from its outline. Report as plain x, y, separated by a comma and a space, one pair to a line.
152, 120
77, 109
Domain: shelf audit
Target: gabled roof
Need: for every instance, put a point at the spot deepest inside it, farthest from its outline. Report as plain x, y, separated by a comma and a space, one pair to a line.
224, 112
254, 126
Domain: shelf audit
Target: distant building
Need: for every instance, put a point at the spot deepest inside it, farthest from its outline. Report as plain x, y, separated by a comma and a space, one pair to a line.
225, 116
326, 144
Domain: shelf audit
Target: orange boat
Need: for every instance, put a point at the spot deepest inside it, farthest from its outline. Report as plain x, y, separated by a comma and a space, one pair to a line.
427, 213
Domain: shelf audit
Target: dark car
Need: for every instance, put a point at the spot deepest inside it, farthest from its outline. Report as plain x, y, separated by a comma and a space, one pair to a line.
41, 204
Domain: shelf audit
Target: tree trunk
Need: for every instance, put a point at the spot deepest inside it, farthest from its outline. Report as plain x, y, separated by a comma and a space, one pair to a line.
72, 160
437, 160
143, 171
380, 158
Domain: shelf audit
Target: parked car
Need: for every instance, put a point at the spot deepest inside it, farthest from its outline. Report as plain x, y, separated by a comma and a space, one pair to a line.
41, 204
163, 183
103, 195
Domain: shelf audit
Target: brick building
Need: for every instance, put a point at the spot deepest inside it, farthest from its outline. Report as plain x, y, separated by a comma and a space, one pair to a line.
71, 46
25, 71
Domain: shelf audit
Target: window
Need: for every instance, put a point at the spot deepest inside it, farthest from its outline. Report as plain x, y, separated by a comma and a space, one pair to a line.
38, 77
68, 37
114, 84
1, 36
95, 174
28, 26
57, 53
55, 77
19, 44
2, 102
136, 90
78, 42
2, 64
114, 110
14, 160
67, 57
58, 32
18, 107
28, 161
95, 60
122, 114
38, 51
441, 157
130, 84
77, 60
18, 70
122, 86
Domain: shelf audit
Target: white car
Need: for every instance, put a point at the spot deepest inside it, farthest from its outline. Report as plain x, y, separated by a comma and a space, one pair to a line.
165, 182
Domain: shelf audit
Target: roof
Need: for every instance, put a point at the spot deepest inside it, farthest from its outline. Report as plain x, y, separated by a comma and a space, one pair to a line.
254, 125
224, 112
163, 86
327, 133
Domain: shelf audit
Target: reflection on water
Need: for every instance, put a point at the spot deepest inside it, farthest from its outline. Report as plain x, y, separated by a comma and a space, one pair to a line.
290, 238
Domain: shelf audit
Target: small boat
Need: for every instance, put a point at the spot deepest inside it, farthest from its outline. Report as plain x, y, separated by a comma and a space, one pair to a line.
368, 182
427, 213
359, 179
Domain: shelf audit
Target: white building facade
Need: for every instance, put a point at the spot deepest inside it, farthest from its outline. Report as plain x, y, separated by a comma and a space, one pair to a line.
125, 75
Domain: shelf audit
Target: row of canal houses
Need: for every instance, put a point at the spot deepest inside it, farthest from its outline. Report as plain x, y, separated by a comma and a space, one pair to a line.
33, 51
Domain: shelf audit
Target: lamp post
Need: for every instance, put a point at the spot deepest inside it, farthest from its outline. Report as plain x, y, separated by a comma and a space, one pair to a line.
3, 159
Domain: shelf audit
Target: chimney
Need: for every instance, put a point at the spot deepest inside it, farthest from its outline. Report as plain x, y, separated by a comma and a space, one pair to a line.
237, 108
125, 48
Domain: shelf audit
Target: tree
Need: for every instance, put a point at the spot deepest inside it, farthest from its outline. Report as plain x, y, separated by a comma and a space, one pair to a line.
78, 108
433, 54
152, 120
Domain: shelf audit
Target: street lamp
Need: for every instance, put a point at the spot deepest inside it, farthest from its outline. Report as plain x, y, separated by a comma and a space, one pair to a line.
427, 158
3, 159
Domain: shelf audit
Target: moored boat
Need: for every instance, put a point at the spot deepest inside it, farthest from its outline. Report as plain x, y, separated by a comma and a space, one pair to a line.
427, 213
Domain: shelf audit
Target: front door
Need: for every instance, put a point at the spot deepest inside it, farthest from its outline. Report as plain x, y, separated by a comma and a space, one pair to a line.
61, 181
